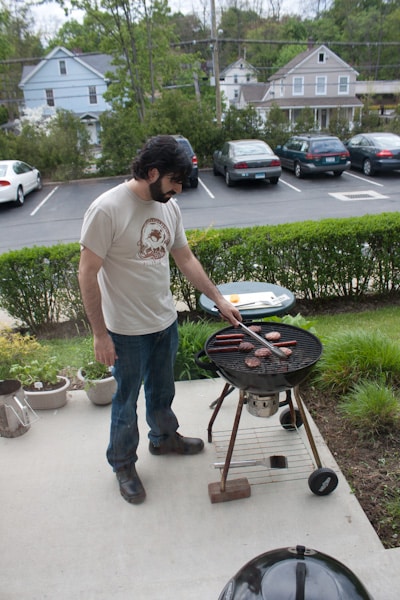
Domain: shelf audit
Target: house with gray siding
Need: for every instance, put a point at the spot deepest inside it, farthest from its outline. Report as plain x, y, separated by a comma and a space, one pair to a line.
316, 78
69, 81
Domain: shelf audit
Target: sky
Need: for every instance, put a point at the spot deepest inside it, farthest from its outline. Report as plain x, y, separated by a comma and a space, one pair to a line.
50, 17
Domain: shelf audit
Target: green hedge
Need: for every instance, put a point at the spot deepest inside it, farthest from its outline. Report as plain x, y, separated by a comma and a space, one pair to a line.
314, 259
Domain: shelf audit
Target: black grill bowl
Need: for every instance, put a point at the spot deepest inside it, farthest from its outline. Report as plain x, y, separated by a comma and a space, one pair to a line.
274, 374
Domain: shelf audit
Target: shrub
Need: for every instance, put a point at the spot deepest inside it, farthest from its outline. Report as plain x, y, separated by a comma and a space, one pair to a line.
371, 407
16, 348
351, 356
39, 285
192, 337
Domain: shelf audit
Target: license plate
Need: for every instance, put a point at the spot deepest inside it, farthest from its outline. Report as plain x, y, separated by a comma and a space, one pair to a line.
260, 175
330, 159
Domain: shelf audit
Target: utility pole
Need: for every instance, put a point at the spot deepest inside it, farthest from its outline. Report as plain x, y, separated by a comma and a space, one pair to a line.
214, 36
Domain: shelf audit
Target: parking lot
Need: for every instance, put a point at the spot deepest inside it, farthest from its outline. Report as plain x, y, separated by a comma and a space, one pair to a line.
54, 214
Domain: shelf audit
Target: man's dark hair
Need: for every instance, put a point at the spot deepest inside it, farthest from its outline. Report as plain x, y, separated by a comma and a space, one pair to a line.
165, 154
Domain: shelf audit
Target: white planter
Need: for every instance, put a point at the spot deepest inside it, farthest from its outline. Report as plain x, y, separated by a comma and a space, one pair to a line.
99, 391
49, 399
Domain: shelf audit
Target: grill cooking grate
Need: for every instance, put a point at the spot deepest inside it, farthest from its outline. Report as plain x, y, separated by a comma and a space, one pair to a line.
306, 351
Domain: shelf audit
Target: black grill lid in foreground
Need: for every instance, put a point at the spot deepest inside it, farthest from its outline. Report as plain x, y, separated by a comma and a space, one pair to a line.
294, 574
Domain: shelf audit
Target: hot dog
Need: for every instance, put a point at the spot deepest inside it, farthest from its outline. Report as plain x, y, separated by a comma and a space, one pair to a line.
229, 336
223, 349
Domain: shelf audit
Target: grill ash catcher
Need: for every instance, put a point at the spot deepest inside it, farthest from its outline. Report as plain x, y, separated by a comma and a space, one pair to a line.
260, 386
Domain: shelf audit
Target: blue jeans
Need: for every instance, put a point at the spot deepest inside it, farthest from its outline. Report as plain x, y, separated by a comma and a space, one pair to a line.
149, 359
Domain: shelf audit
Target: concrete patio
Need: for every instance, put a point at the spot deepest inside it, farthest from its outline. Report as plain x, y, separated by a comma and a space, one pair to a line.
66, 533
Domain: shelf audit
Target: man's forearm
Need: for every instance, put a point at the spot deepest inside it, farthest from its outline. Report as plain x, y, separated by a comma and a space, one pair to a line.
91, 297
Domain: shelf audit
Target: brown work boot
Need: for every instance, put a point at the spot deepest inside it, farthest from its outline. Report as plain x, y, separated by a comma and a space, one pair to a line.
177, 444
130, 486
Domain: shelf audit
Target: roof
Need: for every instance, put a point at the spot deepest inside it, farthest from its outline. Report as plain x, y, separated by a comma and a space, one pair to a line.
95, 61
235, 64
254, 92
299, 58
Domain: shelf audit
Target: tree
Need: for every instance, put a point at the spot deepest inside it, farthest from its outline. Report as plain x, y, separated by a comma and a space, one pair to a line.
58, 147
138, 34
276, 126
86, 36
16, 42
305, 122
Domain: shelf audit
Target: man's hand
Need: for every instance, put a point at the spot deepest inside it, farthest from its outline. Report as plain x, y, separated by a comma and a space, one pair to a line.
228, 312
104, 350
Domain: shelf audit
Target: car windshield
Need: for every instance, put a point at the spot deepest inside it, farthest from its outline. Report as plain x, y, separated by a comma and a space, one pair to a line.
387, 141
244, 149
327, 146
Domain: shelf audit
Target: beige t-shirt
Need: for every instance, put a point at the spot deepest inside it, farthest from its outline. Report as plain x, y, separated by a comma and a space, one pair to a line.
134, 238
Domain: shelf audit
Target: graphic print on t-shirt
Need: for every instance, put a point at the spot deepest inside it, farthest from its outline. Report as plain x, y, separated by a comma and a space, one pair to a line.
154, 240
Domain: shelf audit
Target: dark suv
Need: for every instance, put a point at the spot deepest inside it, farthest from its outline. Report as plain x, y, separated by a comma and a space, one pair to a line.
194, 175
314, 153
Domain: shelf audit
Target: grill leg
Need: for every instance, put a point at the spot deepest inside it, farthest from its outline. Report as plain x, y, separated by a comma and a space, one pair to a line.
228, 388
232, 441
303, 415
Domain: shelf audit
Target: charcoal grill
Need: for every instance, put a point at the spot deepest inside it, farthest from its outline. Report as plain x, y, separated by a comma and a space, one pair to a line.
259, 388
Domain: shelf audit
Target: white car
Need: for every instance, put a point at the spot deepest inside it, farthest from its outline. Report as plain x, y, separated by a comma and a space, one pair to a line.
17, 179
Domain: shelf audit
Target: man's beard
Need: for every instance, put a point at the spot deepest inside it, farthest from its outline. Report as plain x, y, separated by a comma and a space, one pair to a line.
156, 192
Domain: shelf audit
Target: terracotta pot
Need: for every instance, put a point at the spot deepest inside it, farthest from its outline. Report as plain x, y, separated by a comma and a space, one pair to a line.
49, 399
99, 391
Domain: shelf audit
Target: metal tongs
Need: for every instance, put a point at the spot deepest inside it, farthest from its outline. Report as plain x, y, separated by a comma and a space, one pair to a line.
277, 351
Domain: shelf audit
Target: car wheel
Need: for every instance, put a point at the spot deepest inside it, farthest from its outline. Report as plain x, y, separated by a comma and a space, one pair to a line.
367, 167
20, 197
228, 179
297, 170
39, 183
274, 180
194, 183
337, 173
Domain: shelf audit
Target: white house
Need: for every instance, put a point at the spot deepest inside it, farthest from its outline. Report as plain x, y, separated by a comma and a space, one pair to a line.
70, 81
233, 77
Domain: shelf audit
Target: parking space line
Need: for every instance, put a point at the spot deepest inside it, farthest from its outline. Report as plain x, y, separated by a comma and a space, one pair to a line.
206, 189
39, 206
289, 185
364, 179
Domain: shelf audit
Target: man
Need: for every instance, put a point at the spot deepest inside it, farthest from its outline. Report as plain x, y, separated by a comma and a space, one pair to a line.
127, 235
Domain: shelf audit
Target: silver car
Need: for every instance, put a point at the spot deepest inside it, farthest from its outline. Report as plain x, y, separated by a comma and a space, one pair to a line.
17, 179
243, 160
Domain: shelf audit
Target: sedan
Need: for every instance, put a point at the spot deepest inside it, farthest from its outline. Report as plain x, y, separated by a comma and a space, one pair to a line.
374, 152
17, 179
244, 160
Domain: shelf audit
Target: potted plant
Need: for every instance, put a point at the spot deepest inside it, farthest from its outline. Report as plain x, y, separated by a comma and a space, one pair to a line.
44, 388
100, 385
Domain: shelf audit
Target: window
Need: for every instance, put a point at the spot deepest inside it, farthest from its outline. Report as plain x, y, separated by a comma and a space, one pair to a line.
298, 86
49, 98
63, 67
343, 84
320, 85
321, 57
92, 94
236, 94
282, 88
235, 79
248, 77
